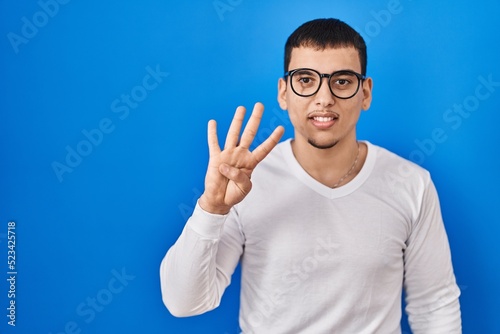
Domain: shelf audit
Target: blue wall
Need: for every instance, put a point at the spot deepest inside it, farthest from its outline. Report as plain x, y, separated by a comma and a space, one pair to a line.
103, 140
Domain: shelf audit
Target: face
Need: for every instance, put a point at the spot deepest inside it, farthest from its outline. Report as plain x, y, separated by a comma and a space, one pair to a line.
323, 120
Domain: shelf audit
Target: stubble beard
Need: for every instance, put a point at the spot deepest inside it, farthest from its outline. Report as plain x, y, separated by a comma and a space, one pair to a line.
324, 146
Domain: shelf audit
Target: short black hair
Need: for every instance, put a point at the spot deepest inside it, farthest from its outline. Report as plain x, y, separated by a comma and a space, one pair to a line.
326, 33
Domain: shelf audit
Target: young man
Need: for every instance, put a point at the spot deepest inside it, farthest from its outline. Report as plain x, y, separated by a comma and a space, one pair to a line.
329, 229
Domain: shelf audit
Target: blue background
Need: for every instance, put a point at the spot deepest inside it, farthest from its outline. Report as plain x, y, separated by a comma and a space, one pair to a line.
126, 199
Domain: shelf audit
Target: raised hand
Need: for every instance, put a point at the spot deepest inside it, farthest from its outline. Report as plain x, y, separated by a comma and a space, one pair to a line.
227, 180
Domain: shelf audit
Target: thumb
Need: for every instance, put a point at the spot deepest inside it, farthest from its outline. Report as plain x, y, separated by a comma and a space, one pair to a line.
224, 169
234, 174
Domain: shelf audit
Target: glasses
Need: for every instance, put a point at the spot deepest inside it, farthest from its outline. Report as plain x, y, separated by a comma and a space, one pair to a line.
307, 82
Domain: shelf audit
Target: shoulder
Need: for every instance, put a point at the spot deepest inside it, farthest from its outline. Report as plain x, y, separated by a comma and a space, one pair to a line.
276, 160
399, 178
390, 165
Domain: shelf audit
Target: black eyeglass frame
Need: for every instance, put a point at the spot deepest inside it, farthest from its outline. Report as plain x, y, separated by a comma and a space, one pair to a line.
360, 77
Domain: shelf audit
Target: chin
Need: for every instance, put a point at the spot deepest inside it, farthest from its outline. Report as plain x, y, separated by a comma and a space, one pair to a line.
322, 145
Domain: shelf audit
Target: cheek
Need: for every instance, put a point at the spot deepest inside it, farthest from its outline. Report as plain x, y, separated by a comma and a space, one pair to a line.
297, 108
292, 115
297, 118
297, 122
296, 103
353, 107
352, 117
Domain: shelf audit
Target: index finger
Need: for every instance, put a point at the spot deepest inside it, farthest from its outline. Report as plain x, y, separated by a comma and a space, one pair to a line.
267, 146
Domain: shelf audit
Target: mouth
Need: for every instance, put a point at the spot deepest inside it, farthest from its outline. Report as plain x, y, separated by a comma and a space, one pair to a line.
323, 121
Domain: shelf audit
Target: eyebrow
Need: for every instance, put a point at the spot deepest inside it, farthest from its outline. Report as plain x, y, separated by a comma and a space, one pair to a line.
344, 70
305, 70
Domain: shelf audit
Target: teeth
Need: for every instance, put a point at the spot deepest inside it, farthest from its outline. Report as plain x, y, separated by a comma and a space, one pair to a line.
323, 119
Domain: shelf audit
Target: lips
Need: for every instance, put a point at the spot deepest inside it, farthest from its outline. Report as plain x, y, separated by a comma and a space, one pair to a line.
322, 120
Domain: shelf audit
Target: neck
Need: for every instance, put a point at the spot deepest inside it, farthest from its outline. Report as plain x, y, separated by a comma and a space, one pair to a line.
329, 166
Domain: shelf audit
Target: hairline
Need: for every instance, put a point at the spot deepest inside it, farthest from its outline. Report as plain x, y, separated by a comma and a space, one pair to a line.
320, 47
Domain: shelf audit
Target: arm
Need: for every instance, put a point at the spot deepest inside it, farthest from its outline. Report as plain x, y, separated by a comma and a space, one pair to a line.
198, 267
431, 291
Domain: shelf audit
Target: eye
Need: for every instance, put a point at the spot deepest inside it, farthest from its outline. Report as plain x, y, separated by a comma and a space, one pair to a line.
342, 82
305, 78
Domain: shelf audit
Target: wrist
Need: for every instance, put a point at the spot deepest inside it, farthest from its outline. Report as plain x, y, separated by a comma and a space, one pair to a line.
207, 206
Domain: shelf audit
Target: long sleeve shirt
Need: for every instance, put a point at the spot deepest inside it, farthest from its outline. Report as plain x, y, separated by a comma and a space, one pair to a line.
321, 260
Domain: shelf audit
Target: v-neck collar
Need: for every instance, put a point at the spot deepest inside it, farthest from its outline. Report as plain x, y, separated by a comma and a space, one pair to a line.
331, 193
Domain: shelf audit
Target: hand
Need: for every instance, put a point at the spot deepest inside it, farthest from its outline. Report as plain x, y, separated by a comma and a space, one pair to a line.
227, 181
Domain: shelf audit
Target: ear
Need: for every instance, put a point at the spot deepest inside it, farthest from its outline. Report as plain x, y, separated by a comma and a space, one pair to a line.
282, 94
367, 93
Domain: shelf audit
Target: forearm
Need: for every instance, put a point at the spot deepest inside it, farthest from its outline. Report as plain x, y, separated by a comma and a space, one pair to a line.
445, 320
431, 289
191, 283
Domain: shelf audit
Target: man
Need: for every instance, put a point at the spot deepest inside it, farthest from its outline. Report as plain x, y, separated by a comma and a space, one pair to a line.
329, 229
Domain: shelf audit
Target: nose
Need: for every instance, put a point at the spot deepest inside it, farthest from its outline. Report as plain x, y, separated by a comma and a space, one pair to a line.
324, 96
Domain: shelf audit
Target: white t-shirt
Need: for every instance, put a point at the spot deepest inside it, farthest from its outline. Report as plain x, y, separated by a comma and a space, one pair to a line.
322, 260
